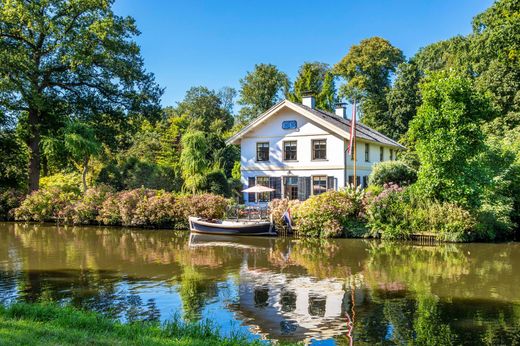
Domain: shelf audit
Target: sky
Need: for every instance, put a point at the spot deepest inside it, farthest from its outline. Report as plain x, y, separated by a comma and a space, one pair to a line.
215, 43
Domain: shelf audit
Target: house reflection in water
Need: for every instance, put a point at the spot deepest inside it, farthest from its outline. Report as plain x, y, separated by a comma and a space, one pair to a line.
279, 306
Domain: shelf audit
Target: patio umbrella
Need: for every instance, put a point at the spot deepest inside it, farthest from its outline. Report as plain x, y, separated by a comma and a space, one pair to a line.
258, 189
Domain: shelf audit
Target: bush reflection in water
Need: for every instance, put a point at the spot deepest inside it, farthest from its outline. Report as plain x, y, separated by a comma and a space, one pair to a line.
290, 289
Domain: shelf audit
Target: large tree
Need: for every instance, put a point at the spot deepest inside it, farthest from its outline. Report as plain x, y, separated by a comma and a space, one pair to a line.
367, 69
261, 89
449, 140
315, 77
404, 98
495, 52
69, 59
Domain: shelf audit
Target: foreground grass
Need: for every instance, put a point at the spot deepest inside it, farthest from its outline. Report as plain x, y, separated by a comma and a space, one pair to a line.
50, 324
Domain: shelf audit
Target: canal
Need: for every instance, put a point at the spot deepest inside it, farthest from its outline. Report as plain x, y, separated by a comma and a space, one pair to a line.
338, 291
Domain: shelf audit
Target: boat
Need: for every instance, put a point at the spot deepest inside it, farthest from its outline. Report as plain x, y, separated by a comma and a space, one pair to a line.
213, 226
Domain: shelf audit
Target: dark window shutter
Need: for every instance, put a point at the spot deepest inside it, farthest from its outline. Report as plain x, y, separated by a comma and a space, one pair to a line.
276, 184
304, 188
251, 196
331, 183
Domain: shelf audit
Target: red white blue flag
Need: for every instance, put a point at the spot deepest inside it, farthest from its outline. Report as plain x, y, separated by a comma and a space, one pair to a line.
352, 129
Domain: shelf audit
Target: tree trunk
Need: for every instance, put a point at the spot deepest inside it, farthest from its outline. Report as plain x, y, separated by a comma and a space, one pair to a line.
84, 174
34, 146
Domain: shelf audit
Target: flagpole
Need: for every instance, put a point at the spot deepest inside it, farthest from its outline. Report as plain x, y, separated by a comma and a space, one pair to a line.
353, 123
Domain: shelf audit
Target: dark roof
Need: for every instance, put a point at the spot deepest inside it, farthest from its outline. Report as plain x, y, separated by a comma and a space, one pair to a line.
362, 131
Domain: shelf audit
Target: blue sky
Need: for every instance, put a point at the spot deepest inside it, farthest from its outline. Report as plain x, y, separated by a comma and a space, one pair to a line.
214, 43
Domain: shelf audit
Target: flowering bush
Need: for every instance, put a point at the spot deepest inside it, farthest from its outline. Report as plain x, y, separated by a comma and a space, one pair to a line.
397, 213
332, 214
9, 200
45, 205
206, 205
86, 210
278, 207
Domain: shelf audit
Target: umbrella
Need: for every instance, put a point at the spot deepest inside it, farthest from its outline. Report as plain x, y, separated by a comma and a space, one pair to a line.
258, 189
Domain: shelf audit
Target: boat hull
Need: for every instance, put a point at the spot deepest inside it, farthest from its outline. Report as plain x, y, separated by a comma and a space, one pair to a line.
198, 225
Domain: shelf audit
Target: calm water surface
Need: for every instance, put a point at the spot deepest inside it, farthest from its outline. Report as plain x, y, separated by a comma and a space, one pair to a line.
330, 292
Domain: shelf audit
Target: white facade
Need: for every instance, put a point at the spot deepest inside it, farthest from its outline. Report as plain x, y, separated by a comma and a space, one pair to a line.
291, 177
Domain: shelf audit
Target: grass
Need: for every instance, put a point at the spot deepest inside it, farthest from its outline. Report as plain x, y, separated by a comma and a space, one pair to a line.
51, 324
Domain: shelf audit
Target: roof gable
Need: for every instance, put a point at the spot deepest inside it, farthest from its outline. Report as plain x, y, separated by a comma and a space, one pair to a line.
332, 122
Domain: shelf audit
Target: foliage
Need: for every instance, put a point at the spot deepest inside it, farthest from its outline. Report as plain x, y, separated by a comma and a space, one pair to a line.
62, 58
51, 324
448, 139
451, 54
9, 200
86, 210
367, 69
260, 90
66, 182
330, 214
46, 204
315, 77
397, 213
216, 182
403, 99
194, 162
396, 172
277, 209
205, 205
13, 165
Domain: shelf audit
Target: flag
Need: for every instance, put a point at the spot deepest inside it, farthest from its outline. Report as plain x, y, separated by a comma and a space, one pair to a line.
352, 129
287, 219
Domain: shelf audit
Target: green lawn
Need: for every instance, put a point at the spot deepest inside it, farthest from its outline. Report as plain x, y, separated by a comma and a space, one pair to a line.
49, 324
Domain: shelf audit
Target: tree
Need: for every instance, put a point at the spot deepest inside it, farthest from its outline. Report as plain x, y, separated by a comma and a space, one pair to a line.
194, 161
404, 98
495, 52
315, 77
451, 54
260, 90
81, 143
367, 68
205, 110
69, 59
448, 137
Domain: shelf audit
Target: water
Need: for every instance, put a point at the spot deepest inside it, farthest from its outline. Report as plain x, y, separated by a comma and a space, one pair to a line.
324, 292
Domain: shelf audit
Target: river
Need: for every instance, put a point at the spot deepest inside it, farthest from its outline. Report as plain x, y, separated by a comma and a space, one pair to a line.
341, 291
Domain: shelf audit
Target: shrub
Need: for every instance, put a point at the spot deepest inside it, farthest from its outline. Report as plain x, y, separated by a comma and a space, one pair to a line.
216, 182
65, 182
392, 172
330, 214
46, 204
109, 213
205, 205
277, 209
397, 213
9, 200
157, 211
86, 210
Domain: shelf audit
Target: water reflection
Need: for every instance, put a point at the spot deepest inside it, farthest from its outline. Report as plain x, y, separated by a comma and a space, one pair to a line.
350, 291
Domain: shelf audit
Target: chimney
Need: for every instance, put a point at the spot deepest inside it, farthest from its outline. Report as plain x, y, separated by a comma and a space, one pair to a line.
308, 99
341, 110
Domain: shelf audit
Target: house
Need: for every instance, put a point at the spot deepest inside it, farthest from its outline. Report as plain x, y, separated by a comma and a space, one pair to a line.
300, 151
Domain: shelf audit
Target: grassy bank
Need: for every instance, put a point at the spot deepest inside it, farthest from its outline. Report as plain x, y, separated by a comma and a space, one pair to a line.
48, 324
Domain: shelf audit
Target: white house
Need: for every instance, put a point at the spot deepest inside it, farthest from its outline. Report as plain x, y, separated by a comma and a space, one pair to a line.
300, 151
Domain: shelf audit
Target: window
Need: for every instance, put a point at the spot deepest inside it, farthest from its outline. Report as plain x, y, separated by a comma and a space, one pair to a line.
263, 196
319, 149
289, 151
291, 187
381, 154
391, 154
319, 185
365, 181
367, 152
262, 151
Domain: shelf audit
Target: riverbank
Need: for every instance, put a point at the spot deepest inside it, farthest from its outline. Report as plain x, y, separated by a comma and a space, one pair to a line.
50, 324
